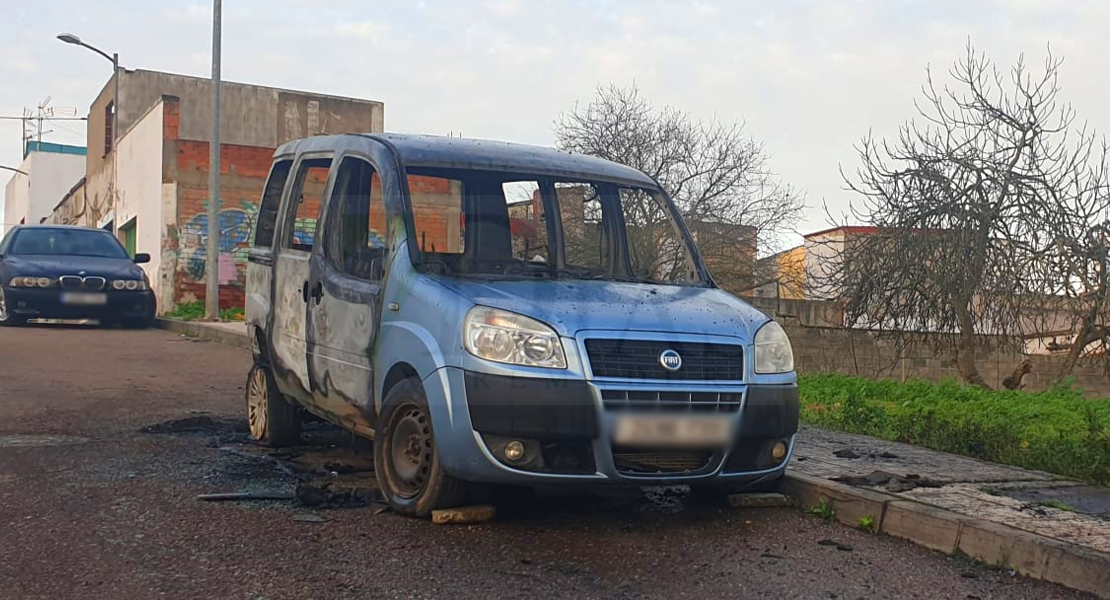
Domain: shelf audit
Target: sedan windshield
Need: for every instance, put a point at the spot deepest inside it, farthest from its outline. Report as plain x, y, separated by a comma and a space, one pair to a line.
485, 224
48, 241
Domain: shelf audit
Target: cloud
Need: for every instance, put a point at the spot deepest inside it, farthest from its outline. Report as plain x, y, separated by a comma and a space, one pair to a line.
364, 30
503, 8
808, 77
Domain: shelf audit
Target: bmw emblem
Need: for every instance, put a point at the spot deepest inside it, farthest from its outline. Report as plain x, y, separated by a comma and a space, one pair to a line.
670, 360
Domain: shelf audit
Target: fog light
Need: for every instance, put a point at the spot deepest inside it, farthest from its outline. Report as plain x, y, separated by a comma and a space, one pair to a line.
779, 451
514, 451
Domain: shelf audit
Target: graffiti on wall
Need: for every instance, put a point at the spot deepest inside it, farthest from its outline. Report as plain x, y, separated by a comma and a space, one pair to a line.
237, 225
236, 231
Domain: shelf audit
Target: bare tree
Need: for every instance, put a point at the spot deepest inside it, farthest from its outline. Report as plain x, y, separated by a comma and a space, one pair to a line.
717, 175
1076, 266
963, 204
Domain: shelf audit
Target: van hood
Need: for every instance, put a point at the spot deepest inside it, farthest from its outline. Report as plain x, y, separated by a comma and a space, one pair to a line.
571, 306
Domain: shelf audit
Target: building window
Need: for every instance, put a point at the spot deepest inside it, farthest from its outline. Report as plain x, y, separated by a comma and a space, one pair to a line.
108, 137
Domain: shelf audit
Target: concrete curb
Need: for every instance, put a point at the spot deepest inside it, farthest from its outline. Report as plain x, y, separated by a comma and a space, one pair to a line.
1032, 555
203, 330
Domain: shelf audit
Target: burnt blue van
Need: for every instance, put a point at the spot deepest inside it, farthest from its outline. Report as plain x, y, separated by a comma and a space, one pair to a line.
492, 313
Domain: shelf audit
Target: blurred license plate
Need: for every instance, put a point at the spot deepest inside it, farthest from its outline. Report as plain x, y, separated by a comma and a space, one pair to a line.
673, 431
84, 298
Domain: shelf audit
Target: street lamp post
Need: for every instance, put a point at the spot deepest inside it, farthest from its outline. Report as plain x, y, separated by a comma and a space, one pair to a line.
69, 38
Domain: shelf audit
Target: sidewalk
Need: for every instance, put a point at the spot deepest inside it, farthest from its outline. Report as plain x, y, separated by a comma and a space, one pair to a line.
1041, 525
1037, 524
230, 333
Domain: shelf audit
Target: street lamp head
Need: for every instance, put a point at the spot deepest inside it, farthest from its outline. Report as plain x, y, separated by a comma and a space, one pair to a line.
69, 38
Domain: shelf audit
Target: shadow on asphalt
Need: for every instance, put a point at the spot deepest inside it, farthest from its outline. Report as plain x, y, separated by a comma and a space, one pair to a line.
334, 469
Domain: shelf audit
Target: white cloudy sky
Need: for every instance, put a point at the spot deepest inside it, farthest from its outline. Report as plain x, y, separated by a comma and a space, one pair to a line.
808, 77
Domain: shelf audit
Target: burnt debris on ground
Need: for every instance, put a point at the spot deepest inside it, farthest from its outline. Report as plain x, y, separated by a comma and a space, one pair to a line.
889, 481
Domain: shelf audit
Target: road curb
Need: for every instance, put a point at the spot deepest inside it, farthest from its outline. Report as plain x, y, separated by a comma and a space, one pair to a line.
203, 330
1029, 554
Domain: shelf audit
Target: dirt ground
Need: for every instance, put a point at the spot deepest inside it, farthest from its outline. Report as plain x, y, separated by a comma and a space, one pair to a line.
99, 481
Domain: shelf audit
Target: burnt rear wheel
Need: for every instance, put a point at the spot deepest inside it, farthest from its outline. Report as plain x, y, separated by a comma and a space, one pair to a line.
271, 418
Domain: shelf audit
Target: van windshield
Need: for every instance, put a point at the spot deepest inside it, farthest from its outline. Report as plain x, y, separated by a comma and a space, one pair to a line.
512, 225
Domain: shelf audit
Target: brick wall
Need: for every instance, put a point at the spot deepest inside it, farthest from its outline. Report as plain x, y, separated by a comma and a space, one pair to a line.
243, 172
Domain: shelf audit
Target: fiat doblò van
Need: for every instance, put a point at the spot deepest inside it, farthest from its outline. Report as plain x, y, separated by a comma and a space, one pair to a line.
492, 313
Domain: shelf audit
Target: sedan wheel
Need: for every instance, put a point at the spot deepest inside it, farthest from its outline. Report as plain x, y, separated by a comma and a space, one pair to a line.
6, 318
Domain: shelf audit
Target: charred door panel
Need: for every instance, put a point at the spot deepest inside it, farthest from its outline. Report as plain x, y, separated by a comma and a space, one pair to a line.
344, 297
292, 286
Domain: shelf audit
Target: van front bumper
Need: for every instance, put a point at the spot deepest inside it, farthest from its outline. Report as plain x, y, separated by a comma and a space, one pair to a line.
566, 432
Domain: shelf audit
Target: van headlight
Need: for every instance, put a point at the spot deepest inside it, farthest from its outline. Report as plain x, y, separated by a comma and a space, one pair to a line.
773, 353
506, 337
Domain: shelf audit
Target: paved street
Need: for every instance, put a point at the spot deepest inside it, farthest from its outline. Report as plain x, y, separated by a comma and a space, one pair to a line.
91, 506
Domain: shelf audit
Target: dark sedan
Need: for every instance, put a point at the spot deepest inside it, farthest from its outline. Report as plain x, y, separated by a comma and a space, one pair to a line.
65, 272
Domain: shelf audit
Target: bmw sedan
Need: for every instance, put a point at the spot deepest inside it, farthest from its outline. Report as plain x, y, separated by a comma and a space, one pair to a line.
66, 272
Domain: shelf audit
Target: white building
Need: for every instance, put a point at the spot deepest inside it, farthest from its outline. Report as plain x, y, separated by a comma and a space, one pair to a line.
51, 171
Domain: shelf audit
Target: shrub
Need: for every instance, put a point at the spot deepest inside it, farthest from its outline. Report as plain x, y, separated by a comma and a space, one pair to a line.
1057, 430
191, 311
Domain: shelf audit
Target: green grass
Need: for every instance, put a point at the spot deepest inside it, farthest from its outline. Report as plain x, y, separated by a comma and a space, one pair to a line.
824, 510
1058, 430
1057, 504
867, 523
192, 311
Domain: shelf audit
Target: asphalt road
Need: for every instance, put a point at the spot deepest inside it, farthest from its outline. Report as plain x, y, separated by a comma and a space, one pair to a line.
93, 507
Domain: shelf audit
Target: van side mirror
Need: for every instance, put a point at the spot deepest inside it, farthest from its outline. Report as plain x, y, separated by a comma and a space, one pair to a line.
141, 258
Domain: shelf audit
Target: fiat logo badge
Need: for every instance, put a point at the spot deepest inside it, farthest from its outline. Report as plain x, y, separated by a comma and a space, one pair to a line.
670, 359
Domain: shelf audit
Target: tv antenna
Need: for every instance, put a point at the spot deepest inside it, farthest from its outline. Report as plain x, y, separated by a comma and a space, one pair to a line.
35, 120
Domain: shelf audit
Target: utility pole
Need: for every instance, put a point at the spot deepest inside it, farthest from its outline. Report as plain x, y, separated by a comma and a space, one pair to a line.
212, 267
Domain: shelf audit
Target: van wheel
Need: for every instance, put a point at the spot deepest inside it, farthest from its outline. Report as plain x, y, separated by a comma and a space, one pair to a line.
407, 465
271, 418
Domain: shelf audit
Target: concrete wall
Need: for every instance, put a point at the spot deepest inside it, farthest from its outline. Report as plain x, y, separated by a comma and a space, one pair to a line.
72, 208
17, 196
140, 186
858, 352
805, 313
820, 260
251, 116
32, 197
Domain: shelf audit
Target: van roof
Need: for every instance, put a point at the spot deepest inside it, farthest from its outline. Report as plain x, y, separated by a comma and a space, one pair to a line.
484, 155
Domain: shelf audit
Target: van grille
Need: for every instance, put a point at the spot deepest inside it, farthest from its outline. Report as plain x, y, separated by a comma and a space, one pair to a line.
639, 359
640, 400
651, 463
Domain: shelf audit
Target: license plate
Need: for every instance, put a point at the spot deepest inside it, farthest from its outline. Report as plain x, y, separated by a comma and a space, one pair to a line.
84, 298
669, 431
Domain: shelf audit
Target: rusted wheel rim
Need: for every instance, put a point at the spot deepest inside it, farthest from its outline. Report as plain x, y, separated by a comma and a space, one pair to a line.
258, 395
410, 450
